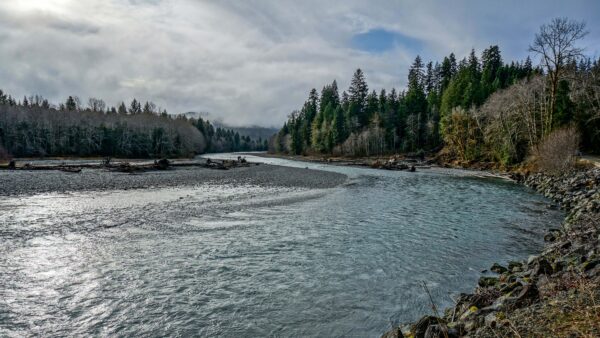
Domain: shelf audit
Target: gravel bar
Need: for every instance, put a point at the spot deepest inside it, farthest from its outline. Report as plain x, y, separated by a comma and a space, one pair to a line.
22, 182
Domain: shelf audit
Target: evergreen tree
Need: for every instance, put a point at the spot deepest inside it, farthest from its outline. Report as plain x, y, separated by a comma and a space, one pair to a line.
429, 78
148, 108
70, 105
358, 99
122, 110
135, 107
372, 106
564, 105
491, 61
338, 127
416, 106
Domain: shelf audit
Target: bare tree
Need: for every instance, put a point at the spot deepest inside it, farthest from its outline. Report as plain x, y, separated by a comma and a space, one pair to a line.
556, 44
96, 105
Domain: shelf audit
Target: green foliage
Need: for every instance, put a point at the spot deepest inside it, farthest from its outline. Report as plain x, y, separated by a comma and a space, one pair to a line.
411, 120
479, 108
564, 106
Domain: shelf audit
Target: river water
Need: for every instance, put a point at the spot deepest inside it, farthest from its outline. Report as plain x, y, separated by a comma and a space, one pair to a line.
252, 261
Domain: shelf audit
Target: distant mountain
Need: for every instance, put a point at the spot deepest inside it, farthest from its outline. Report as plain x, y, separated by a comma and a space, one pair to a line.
254, 132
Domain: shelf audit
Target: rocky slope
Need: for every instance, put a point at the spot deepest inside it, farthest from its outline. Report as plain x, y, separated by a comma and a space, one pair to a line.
554, 294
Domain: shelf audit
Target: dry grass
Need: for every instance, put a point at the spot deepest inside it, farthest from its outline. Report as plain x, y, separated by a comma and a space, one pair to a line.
570, 308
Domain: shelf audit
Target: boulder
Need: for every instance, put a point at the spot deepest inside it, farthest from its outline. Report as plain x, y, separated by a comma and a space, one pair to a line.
441, 331
590, 264
513, 264
497, 268
528, 295
421, 326
542, 267
485, 281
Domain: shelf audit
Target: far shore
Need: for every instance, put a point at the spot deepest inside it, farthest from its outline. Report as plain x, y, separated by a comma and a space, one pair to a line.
377, 162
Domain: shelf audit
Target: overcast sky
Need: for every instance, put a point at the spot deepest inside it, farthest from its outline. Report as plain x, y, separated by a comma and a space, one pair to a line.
250, 62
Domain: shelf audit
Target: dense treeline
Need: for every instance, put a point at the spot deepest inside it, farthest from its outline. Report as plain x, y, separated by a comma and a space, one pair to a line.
364, 123
478, 108
33, 127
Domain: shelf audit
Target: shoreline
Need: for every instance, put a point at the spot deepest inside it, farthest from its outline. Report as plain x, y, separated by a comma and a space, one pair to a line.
530, 297
376, 162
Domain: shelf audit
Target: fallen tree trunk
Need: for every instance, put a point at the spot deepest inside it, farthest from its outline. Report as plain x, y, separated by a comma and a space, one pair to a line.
126, 167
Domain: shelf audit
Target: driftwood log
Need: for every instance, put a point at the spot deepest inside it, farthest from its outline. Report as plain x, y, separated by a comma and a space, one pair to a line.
126, 167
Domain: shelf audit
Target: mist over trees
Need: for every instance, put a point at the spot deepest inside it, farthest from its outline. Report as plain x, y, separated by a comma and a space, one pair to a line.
479, 108
227, 140
35, 128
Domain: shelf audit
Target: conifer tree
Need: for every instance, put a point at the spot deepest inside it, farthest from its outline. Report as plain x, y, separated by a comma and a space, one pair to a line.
135, 107
358, 99
70, 105
122, 110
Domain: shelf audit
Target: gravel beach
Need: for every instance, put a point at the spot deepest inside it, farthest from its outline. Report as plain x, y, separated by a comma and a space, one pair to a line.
24, 182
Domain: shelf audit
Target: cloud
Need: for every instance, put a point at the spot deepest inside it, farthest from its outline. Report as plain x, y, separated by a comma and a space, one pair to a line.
249, 62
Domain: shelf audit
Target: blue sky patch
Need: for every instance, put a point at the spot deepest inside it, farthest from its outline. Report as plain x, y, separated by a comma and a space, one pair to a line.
380, 40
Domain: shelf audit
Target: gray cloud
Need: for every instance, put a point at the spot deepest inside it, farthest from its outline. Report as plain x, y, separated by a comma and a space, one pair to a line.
249, 62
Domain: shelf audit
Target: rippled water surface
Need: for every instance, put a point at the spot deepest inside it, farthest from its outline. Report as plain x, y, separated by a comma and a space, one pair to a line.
244, 260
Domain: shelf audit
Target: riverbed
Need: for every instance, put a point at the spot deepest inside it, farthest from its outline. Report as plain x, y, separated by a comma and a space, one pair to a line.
253, 256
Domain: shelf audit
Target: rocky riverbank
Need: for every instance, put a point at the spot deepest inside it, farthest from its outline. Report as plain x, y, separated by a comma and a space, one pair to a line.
554, 294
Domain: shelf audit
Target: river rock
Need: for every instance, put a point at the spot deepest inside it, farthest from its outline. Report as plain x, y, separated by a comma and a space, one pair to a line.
485, 281
531, 259
528, 295
421, 326
590, 264
440, 331
491, 319
542, 267
497, 268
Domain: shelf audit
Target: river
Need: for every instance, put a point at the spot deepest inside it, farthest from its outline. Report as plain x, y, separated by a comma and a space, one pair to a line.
253, 261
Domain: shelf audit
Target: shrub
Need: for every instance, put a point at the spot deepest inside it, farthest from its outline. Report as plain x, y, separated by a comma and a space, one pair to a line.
557, 152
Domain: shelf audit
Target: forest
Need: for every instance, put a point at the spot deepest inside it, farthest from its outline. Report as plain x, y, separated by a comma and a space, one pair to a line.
479, 108
35, 128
